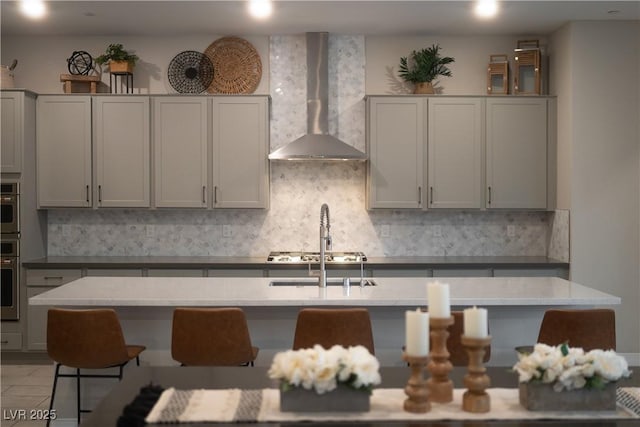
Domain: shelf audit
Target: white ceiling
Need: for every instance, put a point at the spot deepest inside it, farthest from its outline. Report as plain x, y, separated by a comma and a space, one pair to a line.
149, 18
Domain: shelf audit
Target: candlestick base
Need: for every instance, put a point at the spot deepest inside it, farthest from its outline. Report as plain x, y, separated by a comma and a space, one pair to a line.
416, 388
476, 399
440, 386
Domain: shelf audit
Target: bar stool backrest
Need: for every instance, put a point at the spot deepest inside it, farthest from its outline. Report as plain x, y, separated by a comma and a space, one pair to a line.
587, 328
333, 326
86, 339
211, 337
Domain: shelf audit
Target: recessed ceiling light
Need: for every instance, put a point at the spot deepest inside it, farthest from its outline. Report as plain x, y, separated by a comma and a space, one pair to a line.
33, 8
260, 9
486, 8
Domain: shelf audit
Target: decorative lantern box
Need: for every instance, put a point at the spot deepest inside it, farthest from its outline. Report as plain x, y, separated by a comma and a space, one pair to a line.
528, 68
498, 75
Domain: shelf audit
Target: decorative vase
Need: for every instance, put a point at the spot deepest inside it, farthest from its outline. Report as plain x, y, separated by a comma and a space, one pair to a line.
342, 399
541, 397
423, 88
120, 67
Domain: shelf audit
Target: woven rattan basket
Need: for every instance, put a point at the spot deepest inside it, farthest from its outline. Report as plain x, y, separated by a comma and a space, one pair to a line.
237, 66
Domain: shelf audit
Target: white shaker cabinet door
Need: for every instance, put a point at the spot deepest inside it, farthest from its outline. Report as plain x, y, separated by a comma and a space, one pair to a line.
122, 151
63, 135
516, 159
180, 151
455, 152
395, 140
12, 131
240, 129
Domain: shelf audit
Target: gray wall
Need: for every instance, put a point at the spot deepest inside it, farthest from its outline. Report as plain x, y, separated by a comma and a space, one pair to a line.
297, 190
598, 65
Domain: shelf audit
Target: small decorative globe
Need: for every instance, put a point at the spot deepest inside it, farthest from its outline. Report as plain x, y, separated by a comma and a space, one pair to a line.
80, 63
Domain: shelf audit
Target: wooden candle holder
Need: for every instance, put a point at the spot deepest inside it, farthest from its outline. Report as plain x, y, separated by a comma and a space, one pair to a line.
416, 388
440, 386
476, 399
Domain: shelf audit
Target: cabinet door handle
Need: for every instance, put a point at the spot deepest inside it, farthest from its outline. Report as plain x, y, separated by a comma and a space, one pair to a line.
489, 201
52, 277
419, 195
99, 193
431, 195
4, 342
215, 195
204, 194
87, 191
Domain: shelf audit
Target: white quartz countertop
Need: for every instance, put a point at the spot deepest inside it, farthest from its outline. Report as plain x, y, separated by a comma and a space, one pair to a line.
227, 291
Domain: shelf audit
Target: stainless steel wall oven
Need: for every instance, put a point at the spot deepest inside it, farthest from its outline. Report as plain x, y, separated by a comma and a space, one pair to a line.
10, 205
10, 251
10, 280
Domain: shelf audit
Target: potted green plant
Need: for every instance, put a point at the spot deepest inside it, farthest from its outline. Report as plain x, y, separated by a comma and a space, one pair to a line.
119, 59
423, 66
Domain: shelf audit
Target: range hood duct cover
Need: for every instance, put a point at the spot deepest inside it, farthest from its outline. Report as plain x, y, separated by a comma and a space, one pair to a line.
317, 144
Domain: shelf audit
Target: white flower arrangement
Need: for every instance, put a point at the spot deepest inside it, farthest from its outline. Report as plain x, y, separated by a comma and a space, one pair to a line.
322, 370
571, 368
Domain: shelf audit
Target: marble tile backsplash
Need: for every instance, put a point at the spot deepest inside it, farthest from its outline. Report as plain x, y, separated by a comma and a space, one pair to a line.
298, 189
559, 235
297, 192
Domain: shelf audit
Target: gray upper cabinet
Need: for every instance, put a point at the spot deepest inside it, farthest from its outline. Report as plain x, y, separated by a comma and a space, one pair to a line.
395, 144
240, 142
479, 152
205, 152
18, 116
122, 150
180, 146
63, 130
516, 157
455, 152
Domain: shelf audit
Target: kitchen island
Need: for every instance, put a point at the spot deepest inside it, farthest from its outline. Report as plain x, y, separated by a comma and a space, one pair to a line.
145, 306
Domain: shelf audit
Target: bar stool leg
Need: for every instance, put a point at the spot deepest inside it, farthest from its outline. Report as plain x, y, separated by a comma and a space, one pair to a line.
53, 392
78, 390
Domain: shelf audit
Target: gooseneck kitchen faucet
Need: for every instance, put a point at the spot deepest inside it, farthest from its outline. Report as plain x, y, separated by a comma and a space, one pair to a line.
325, 244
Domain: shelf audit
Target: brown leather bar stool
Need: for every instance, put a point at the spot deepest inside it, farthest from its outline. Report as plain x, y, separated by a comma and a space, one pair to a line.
587, 328
87, 339
333, 326
211, 337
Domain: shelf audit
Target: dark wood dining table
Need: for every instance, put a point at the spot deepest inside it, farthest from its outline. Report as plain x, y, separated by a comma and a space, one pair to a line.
111, 407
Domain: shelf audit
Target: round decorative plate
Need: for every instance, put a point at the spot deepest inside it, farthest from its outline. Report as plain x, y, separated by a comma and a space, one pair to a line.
190, 72
237, 64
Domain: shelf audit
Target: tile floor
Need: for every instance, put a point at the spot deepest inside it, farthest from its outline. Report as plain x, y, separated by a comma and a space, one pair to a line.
25, 389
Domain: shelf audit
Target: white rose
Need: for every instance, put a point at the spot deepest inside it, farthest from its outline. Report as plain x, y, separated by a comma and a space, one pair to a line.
325, 371
365, 366
609, 365
572, 378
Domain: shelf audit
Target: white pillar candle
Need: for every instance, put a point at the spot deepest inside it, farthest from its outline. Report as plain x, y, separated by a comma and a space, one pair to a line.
475, 322
417, 333
438, 299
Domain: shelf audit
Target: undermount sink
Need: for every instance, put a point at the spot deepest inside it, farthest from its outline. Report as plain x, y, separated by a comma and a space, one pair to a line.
314, 282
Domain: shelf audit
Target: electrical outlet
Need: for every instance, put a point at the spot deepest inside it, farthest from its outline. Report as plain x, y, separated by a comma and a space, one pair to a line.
226, 231
511, 230
150, 230
66, 230
384, 230
437, 231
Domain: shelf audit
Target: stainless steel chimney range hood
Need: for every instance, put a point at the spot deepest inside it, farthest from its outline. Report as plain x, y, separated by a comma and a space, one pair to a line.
317, 144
